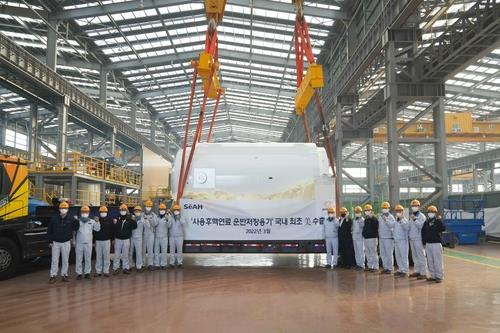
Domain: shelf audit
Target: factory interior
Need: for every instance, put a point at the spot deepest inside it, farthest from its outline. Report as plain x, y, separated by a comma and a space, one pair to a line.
250, 166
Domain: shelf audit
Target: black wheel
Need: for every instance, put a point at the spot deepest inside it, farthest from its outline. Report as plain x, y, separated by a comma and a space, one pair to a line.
9, 258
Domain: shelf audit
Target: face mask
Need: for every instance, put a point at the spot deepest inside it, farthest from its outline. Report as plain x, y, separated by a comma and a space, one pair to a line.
330, 215
63, 211
357, 214
431, 215
399, 214
368, 213
137, 214
177, 212
342, 215
148, 209
414, 209
162, 212
103, 215
85, 215
123, 212
385, 211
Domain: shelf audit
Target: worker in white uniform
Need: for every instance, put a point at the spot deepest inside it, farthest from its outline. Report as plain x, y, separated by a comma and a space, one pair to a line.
161, 238
385, 234
84, 243
417, 220
331, 230
176, 236
370, 235
431, 236
401, 229
150, 221
137, 239
357, 238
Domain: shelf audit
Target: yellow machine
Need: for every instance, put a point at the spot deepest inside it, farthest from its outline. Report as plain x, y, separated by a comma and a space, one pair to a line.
22, 237
14, 188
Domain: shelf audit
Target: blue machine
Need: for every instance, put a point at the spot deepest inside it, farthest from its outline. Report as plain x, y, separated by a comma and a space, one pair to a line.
465, 219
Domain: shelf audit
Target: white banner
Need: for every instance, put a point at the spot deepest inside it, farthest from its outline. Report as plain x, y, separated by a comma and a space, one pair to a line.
285, 219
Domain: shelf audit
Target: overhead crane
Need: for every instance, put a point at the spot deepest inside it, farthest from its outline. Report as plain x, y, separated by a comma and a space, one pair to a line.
459, 127
207, 68
308, 85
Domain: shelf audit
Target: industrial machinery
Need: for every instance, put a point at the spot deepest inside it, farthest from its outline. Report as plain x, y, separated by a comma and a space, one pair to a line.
465, 219
22, 237
256, 197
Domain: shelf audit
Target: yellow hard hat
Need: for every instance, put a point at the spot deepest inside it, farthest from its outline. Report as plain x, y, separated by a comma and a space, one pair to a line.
385, 205
331, 210
162, 206
85, 208
176, 207
415, 203
103, 209
368, 207
138, 208
123, 207
358, 209
343, 210
399, 208
148, 203
63, 205
432, 209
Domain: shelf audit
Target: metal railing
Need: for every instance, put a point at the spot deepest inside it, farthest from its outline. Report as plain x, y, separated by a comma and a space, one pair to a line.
85, 197
16, 56
87, 166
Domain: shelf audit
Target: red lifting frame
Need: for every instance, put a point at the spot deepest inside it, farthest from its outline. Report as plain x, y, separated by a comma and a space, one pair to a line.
211, 47
303, 48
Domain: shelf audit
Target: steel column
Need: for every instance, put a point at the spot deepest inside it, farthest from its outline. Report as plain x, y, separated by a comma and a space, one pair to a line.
392, 129
112, 141
440, 148
90, 136
152, 133
62, 136
103, 87
51, 59
339, 161
3, 128
33, 133
133, 114
74, 188
370, 170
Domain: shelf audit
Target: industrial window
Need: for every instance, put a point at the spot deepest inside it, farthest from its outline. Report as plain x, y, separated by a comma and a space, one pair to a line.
16, 140
45, 152
457, 188
356, 172
353, 189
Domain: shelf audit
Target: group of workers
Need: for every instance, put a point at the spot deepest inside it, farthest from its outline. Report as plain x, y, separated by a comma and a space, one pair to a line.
357, 240
143, 236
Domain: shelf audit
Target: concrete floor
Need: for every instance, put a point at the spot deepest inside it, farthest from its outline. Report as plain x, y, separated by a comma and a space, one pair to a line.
260, 293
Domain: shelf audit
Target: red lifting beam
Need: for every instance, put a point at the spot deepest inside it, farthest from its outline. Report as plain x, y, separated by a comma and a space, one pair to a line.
211, 50
303, 49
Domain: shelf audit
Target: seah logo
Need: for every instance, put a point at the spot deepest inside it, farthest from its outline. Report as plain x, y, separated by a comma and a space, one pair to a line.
193, 206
